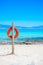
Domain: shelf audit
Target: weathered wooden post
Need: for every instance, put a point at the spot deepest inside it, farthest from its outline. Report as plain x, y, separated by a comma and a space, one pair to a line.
12, 37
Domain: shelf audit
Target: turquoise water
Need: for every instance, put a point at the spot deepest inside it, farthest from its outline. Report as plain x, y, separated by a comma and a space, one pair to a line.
23, 33
31, 33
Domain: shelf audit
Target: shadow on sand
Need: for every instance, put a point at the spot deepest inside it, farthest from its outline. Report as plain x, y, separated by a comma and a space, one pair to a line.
7, 54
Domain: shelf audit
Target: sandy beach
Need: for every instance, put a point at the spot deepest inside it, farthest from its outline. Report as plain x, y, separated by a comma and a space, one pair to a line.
23, 54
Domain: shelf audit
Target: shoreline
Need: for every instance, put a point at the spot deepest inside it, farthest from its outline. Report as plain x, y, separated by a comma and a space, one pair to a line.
22, 43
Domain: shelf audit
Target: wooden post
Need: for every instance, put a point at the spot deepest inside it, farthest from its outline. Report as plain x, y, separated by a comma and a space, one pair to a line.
13, 38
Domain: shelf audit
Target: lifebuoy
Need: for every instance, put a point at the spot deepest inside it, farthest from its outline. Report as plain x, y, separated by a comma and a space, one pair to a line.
10, 36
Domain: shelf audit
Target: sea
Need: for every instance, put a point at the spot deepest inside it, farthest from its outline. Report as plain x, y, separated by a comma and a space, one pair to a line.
24, 34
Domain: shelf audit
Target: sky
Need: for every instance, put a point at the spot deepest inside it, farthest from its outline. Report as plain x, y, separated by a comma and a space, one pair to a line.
25, 13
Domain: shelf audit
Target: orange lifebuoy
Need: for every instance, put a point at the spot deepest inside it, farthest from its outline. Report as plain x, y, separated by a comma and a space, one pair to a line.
10, 36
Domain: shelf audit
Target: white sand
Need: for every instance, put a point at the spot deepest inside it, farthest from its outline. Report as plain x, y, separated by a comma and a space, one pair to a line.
24, 55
